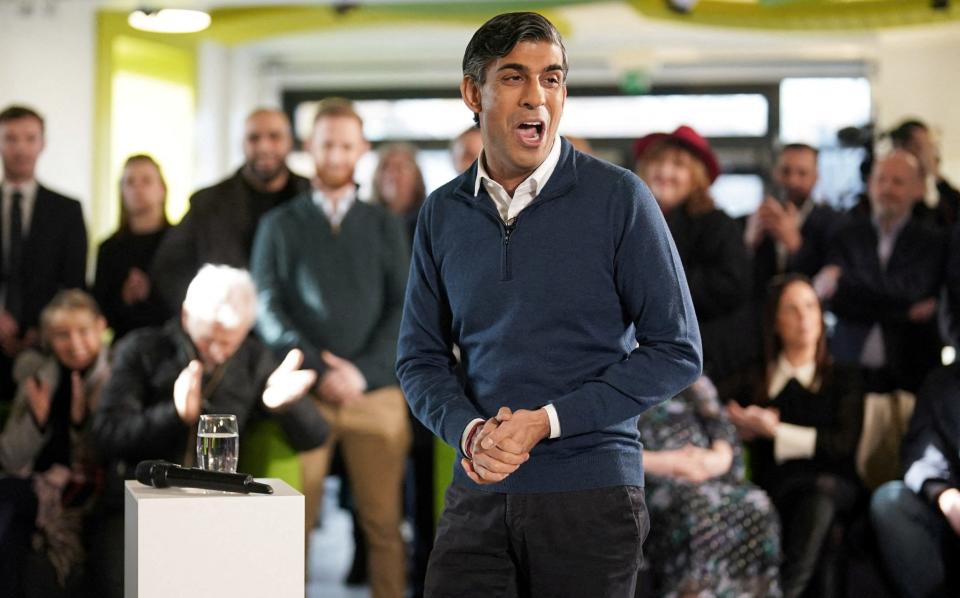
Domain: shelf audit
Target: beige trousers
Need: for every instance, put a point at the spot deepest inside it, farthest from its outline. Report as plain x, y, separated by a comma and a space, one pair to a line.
374, 437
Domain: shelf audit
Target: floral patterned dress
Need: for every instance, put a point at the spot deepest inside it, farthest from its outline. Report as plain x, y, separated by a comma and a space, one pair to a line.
718, 538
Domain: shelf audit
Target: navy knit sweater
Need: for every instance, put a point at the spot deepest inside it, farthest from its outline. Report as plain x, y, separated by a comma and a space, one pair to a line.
582, 302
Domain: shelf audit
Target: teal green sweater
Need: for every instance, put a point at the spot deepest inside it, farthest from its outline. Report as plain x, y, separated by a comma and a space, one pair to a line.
337, 291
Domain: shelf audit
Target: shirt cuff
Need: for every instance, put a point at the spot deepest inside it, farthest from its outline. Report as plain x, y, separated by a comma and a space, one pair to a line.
794, 442
554, 420
466, 433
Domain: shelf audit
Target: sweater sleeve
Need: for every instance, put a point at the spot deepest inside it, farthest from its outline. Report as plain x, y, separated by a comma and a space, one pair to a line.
377, 360
273, 322
425, 360
655, 297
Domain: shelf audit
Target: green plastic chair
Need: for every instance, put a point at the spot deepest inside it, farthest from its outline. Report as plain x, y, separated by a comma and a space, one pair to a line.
265, 453
444, 457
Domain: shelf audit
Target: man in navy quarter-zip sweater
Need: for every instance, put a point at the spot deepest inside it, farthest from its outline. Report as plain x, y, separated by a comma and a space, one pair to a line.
556, 276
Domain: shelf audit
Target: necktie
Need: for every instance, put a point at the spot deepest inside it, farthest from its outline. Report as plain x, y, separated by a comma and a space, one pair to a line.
14, 289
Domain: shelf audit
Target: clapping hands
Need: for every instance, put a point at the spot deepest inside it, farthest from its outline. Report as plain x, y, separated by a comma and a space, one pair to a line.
288, 382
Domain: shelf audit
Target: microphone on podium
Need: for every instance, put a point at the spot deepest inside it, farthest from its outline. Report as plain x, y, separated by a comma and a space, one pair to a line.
163, 474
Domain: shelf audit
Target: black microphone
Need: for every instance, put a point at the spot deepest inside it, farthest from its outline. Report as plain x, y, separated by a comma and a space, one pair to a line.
163, 474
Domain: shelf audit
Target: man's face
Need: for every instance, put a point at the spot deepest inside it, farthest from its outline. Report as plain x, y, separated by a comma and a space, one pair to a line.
895, 184
21, 141
215, 342
467, 149
266, 143
520, 105
336, 146
796, 174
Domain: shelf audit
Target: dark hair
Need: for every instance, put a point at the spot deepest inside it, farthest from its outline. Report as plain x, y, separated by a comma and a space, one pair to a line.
901, 134
798, 147
124, 228
497, 37
773, 345
17, 112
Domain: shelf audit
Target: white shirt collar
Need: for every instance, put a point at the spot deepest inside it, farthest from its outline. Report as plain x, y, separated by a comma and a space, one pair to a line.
526, 192
334, 215
538, 178
28, 189
786, 371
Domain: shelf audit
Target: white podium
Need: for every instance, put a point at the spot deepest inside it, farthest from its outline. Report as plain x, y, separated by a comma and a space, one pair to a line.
182, 542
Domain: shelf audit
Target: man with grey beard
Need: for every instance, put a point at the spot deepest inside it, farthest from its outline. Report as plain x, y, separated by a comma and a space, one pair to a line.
222, 219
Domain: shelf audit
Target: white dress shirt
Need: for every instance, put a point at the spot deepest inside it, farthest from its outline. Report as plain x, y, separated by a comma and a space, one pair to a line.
335, 212
526, 192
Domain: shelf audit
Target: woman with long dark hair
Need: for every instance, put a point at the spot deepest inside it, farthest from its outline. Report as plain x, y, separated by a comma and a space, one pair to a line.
801, 415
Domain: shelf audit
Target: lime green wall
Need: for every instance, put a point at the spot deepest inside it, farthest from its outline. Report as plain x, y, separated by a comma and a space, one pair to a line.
121, 49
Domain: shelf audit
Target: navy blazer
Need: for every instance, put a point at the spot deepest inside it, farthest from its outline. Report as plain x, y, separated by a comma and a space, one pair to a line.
868, 294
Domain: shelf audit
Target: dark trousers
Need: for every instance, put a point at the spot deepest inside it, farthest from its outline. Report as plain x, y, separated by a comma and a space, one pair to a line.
809, 506
582, 543
18, 510
920, 549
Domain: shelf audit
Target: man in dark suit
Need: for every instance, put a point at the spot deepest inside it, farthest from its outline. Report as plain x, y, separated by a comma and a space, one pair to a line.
789, 233
884, 277
219, 227
44, 240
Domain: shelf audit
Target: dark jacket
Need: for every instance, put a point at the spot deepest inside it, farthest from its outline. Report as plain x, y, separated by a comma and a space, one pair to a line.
718, 272
835, 409
218, 229
54, 253
867, 295
137, 419
817, 229
116, 257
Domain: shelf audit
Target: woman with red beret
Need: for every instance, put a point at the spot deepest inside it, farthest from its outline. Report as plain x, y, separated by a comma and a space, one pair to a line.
679, 167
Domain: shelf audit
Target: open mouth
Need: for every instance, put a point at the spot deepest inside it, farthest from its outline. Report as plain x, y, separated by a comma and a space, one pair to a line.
530, 132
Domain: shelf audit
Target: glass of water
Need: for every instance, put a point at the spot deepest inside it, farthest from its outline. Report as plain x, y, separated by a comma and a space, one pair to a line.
218, 443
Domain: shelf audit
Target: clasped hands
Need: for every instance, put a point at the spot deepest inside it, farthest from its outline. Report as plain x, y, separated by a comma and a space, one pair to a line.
503, 444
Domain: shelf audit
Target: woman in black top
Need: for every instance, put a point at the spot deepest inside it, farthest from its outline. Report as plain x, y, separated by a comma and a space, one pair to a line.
122, 286
801, 417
